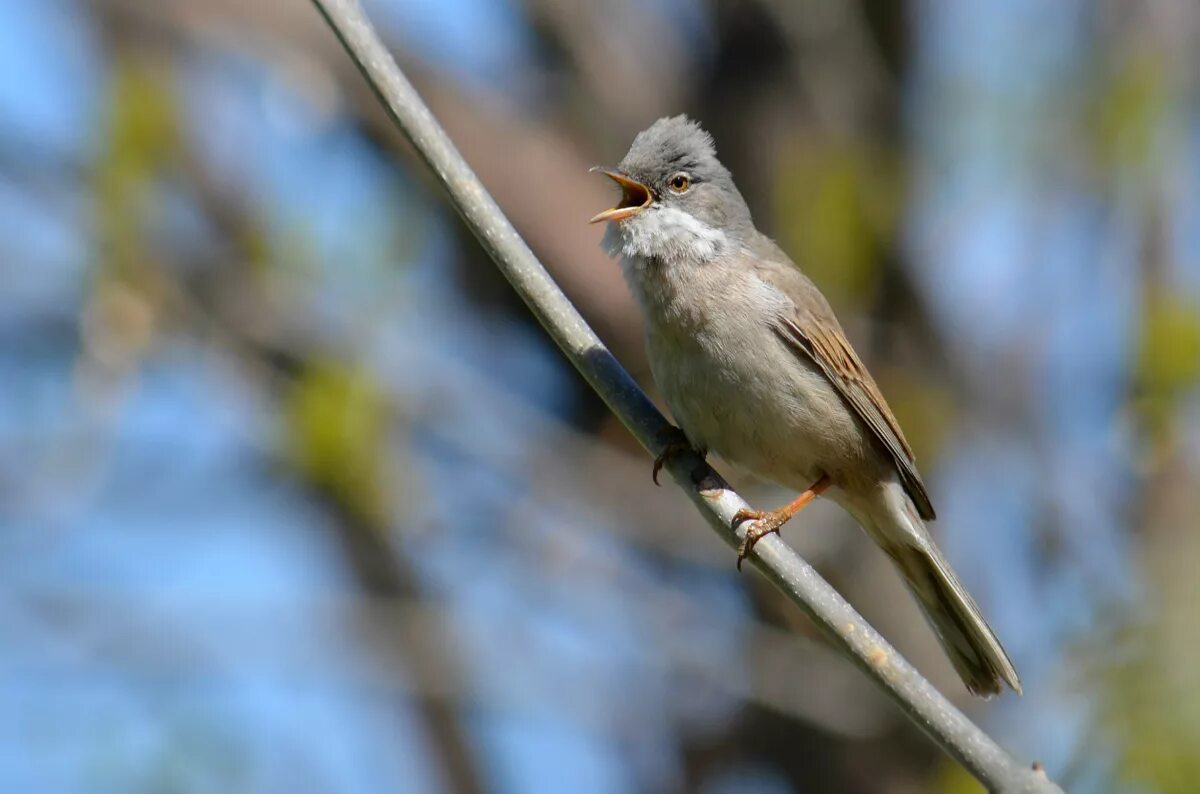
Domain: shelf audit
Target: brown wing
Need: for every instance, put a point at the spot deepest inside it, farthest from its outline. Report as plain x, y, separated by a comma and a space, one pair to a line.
822, 341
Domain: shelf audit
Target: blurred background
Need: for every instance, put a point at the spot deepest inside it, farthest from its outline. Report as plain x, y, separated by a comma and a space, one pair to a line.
295, 496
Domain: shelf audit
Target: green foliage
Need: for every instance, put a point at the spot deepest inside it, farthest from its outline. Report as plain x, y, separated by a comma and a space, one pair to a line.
923, 406
1129, 110
142, 137
122, 311
1151, 703
335, 433
837, 205
1168, 358
953, 778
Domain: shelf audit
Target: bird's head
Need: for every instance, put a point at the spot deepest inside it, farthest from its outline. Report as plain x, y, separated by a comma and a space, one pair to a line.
677, 200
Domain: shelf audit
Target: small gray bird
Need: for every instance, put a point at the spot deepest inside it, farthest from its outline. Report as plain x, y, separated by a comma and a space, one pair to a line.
755, 367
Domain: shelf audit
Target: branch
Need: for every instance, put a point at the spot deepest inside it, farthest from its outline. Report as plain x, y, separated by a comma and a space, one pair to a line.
717, 502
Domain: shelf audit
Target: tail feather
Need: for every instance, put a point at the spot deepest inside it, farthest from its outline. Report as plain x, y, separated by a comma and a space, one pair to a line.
968, 640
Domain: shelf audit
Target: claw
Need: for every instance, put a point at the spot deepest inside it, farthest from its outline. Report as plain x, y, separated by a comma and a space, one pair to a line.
675, 443
765, 524
744, 515
658, 464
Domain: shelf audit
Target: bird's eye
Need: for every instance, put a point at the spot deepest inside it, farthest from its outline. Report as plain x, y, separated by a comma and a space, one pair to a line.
679, 183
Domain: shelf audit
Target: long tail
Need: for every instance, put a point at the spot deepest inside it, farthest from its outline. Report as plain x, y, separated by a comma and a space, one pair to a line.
968, 640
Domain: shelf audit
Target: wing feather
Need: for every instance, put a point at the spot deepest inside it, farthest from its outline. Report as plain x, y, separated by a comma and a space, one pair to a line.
825, 345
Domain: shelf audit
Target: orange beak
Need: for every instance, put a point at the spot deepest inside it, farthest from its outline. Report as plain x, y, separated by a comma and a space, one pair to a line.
635, 197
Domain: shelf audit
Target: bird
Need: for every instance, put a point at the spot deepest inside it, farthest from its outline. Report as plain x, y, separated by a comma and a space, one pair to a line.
754, 366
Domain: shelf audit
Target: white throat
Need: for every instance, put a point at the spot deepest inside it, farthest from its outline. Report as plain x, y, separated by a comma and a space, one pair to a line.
665, 252
664, 233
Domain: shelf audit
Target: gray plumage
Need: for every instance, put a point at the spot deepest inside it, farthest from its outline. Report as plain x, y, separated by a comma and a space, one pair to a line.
754, 366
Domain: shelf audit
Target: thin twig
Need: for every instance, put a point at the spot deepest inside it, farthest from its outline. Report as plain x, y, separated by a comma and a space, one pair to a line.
717, 502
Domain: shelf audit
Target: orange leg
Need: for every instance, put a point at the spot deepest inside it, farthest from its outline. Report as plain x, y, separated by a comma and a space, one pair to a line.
766, 523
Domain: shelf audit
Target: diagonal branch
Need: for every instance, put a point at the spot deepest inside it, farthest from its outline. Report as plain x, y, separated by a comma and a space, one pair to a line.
956, 735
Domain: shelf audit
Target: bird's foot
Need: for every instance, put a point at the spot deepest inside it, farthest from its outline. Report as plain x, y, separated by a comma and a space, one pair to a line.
764, 524
675, 443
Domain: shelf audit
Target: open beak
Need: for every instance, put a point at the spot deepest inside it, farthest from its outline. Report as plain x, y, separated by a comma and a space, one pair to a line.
635, 197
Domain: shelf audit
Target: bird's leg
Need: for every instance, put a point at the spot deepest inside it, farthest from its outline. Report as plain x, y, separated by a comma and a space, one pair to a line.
766, 523
674, 443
